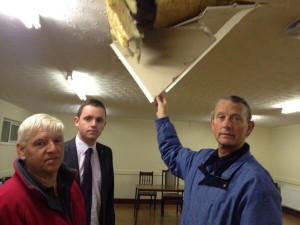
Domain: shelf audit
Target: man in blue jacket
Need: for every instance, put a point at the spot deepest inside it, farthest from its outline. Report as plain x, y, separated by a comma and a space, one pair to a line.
226, 186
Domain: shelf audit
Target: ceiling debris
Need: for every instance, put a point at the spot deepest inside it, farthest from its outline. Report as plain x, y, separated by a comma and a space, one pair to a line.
129, 19
169, 52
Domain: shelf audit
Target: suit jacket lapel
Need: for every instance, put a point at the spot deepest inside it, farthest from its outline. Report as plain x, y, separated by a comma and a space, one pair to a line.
71, 158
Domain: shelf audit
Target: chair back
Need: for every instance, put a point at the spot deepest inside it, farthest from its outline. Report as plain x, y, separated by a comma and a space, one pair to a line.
169, 179
146, 178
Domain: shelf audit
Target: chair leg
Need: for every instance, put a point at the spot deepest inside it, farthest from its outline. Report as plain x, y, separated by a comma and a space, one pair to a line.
154, 202
135, 203
136, 207
162, 207
181, 205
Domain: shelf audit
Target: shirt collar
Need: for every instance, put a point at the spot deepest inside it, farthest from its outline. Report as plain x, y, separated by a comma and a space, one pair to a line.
219, 165
82, 146
226, 161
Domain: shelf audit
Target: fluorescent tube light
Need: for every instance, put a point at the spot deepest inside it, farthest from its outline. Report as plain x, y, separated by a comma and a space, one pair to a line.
291, 107
30, 11
76, 84
26, 11
256, 117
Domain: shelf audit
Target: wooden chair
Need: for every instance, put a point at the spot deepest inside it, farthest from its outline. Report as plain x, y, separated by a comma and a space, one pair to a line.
169, 179
146, 178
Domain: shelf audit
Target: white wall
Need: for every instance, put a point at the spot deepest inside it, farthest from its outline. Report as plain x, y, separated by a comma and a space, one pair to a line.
8, 151
285, 148
285, 161
259, 141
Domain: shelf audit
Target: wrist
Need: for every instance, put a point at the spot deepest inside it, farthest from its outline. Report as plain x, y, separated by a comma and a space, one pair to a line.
160, 115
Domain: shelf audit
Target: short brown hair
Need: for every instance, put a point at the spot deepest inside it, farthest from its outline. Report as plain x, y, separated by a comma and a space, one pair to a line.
239, 100
92, 102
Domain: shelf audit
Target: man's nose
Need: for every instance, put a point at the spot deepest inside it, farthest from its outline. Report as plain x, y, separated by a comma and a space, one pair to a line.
51, 146
93, 122
227, 123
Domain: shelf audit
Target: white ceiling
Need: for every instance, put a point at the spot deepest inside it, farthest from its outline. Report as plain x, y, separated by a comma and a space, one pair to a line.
256, 60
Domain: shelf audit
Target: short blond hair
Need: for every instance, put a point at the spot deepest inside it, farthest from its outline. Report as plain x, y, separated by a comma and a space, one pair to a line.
38, 121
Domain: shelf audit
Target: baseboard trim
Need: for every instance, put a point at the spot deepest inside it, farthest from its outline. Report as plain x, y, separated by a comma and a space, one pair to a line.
142, 201
287, 210
123, 201
290, 211
132, 201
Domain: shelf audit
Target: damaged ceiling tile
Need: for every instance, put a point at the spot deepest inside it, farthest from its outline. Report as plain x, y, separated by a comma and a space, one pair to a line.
168, 54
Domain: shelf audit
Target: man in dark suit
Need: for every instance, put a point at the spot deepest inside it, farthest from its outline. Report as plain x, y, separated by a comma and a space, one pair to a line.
90, 122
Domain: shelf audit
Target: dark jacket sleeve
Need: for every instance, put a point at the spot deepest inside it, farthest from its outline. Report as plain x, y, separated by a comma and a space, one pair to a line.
71, 158
107, 192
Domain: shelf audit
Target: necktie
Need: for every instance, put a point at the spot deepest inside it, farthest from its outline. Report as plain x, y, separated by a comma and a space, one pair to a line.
86, 184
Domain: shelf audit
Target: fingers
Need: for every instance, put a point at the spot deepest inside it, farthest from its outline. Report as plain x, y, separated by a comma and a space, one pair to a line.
158, 99
160, 103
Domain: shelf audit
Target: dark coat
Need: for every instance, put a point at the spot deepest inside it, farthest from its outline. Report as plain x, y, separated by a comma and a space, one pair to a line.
107, 214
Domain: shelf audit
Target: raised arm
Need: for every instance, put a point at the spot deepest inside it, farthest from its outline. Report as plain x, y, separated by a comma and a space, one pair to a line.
175, 156
161, 104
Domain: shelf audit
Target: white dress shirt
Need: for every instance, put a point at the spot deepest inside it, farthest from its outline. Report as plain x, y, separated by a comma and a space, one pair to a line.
96, 180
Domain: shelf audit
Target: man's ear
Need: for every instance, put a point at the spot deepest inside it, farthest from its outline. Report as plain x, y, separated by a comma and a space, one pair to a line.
211, 124
76, 119
20, 150
103, 126
250, 127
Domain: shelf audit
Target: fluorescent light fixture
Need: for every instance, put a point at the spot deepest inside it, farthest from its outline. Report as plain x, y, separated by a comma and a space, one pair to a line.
291, 107
75, 81
256, 117
29, 11
24, 10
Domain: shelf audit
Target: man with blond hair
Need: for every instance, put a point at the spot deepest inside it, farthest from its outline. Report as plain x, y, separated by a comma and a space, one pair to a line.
42, 190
